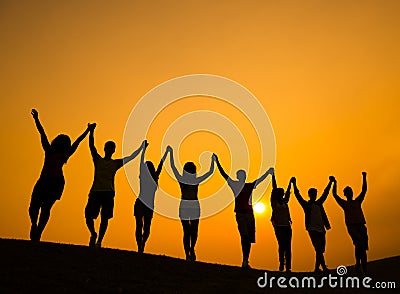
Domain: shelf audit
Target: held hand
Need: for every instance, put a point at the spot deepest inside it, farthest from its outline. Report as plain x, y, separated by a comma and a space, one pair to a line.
213, 157
91, 127
332, 179
293, 180
145, 144
364, 174
35, 113
169, 148
271, 170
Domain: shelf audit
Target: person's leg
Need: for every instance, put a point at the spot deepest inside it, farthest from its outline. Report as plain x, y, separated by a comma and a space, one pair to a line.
279, 236
363, 254
186, 237
288, 248
43, 218
146, 230
139, 233
322, 238
102, 230
93, 234
246, 246
314, 241
34, 208
194, 224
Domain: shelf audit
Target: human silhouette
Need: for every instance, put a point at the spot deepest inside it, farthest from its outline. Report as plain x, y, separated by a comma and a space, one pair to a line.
189, 208
281, 222
102, 192
50, 185
144, 204
355, 221
316, 220
242, 191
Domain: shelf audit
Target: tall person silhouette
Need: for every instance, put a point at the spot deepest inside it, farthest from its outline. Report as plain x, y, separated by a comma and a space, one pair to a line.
281, 222
316, 221
144, 204
189, 208
49, 188
355, 221
102, 192
243, 191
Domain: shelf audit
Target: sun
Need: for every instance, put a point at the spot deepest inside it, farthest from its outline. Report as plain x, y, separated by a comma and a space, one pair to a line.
259, 207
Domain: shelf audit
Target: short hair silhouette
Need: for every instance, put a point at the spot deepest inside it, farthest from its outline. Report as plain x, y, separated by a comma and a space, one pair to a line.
190, 167
312, 193
152, 170
348, 192
241, 175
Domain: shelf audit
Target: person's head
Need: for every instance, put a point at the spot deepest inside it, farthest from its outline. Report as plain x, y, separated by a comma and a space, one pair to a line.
109, 148
312, 193
152, 170
61, 144
278, 193
241, 175
190, 167
348, 193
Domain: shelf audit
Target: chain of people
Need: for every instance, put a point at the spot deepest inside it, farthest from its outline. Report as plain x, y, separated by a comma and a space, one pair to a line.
50, 185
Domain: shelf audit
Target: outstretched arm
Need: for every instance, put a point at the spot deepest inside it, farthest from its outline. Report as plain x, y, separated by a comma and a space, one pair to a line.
92, 148
178, 176
135, 153
262, 178
287, 193
364, 188
142, 156
326, 190
209, 173
274, 185
221, 170
43, 137
160, 165
75, 145
335, 195
297, 192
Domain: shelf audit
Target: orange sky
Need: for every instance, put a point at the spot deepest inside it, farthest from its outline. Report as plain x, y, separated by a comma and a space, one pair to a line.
327, 73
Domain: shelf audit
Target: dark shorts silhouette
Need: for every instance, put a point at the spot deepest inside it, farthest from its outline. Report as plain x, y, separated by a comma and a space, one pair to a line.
246, 225
318, 241
142, 210
100, 201
358, 233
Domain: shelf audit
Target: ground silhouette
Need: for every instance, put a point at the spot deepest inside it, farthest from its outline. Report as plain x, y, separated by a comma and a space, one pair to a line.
28, 267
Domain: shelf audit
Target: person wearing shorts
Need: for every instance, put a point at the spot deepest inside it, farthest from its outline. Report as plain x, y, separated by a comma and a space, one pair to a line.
316, 221
102, 192
243, 207
355, 221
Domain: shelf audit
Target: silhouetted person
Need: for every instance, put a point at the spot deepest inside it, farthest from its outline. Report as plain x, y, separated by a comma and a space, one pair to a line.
316, 220
243, 207
189, 209
144, 204
48, 189
101, 196
355, 221
282, 223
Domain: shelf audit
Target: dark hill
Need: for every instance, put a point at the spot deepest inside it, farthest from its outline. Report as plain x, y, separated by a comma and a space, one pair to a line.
28, 267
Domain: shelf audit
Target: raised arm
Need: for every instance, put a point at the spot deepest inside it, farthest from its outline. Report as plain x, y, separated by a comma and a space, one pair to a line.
43, 137
297, 192
135, 153
364, 188
221, 170
160, 165
270, 171
143, 155
326, 190
92, 148
339, 200
209, 173
274, 185
178, 176
287, 193
75, 145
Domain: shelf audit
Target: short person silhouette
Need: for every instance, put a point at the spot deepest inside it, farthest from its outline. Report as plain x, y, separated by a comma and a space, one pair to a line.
144, 204
355, 221
102, 192
189, 209
316, 220
242, 191
281, 222
49, 188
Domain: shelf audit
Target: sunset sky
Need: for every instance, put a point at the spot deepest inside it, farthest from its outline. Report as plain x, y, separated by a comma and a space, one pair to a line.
326, 73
